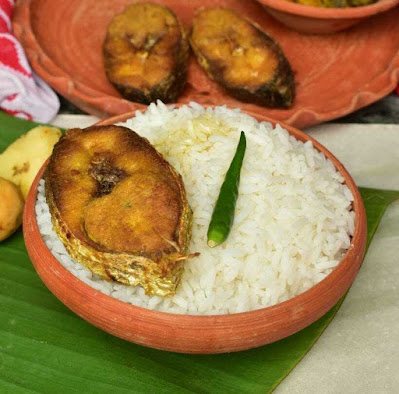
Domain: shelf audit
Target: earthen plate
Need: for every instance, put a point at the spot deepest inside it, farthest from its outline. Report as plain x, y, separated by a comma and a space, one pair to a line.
335, 74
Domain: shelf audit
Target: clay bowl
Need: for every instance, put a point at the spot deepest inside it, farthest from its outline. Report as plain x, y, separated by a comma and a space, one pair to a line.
197, 334
316, 20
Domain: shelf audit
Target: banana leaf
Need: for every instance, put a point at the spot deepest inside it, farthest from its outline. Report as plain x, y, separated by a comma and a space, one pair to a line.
44, 347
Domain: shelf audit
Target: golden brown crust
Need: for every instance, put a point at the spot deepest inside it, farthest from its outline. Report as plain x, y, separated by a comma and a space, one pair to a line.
145, 53
242, 58
119, 207
136, 201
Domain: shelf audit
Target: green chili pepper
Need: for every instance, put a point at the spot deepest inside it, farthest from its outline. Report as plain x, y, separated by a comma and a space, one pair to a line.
223, 213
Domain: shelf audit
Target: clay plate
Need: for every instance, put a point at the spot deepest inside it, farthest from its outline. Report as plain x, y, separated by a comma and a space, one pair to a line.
189, 333
335, 75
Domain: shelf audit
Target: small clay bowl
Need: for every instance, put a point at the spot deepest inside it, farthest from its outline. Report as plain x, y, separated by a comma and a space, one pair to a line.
196, 333
317, 20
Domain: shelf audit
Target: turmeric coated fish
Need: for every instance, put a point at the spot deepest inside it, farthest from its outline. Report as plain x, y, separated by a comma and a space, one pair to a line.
242, 58
119, 207
145, 53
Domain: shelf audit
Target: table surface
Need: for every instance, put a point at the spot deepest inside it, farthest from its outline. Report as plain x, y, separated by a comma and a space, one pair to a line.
359, 351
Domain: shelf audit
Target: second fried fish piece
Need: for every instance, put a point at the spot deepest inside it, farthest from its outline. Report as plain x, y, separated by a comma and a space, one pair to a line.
242, 58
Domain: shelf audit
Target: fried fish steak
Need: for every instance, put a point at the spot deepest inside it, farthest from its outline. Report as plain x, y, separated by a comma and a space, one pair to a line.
242, 58
119, 207
145, 53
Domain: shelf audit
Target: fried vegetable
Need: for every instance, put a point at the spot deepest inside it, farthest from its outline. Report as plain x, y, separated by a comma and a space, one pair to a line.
21, 161
11, 208
334, 3
146, 53
323, 3
223, 213
119, 207
242, 58
359, 3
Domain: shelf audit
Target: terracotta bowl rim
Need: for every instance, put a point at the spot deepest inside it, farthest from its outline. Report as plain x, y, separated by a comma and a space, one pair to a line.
359, 238
330, 13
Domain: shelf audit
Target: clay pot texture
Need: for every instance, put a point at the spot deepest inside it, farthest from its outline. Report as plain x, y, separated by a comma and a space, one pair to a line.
198, 333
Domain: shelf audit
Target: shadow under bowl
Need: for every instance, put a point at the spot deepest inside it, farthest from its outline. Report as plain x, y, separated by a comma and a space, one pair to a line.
198, 333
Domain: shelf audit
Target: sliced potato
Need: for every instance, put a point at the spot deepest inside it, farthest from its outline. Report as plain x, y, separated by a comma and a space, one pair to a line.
11, 208
242, 58
21, 161
145, 53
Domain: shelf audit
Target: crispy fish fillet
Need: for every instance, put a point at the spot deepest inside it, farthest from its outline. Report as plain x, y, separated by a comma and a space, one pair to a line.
145, 53
242, 58
119, 207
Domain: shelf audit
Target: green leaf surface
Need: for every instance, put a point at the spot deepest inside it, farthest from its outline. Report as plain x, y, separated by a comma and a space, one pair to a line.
11, 128
44, 347
376, 202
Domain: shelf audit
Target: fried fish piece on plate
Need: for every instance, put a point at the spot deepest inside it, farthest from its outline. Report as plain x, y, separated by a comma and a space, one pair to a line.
145, 53
119, 207
242, 58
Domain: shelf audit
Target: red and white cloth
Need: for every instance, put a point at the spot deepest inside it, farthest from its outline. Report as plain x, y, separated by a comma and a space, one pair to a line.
22, 92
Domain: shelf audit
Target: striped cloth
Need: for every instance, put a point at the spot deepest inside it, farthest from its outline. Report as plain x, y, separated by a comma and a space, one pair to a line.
22, 93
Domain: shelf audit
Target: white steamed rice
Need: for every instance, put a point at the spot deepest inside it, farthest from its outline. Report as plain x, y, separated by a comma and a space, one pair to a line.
293, 221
